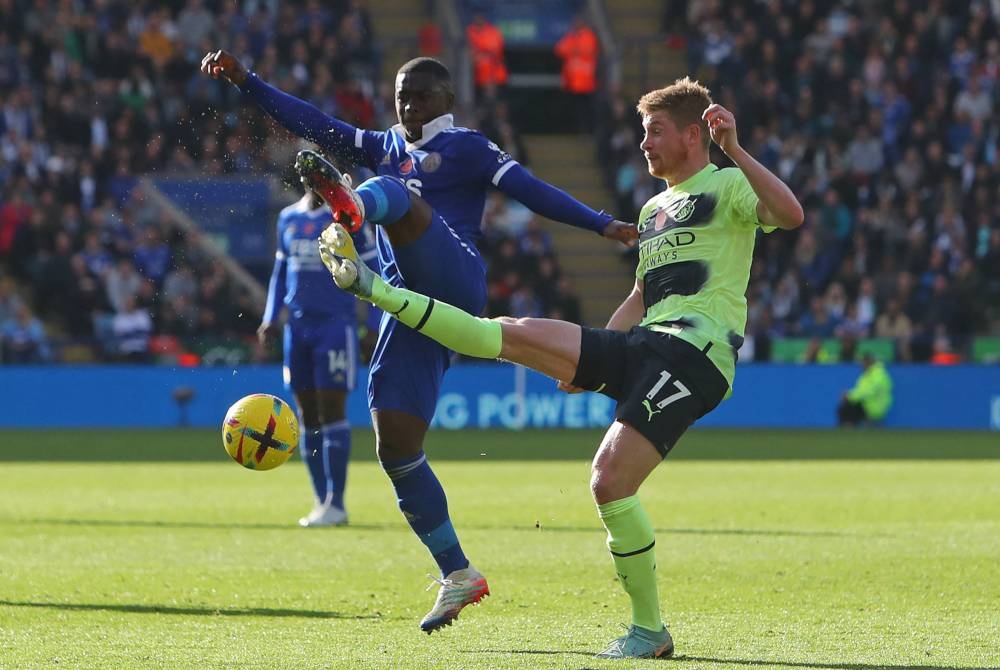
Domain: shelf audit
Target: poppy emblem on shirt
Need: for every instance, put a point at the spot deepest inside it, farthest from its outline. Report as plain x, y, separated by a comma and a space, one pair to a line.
406, 167
661, 220
308, 229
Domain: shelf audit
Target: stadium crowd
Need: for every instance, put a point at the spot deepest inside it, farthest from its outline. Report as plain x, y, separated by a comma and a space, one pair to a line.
97, 94
94, 95
880, 115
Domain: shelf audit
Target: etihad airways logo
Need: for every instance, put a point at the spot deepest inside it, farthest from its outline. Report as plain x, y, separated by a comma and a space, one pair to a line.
674, 240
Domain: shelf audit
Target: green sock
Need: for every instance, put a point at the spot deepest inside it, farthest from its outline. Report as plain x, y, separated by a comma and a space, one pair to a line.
632, 546
459, 331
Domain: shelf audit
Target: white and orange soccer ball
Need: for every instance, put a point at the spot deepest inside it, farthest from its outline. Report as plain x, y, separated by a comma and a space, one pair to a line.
260, 431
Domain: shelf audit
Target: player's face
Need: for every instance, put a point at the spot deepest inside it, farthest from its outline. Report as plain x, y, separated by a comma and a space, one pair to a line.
420, 98
663, 144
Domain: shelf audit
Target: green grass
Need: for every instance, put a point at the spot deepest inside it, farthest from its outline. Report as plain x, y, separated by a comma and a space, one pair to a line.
776, 550
476, 445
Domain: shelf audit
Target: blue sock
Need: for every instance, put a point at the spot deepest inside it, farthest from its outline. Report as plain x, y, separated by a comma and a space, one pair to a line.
386, 199
311, 447
337, 451
423, 503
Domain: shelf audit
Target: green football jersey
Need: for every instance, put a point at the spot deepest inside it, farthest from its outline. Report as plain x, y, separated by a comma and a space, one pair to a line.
696, 243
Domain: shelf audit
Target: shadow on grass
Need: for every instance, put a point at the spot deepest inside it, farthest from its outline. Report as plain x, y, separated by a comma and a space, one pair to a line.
196, 525
739, 661
205, 525
190, 611
820, 666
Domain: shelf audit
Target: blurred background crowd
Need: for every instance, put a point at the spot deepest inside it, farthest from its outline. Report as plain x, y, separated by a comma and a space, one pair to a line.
880, 115
96, 94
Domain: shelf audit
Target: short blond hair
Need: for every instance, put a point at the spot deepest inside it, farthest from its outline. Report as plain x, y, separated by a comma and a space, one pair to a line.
684, 101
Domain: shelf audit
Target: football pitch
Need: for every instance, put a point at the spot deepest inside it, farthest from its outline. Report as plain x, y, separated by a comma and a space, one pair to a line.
841, 550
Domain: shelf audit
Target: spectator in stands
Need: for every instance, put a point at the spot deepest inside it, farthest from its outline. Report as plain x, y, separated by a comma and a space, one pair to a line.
817, 322
869, 400
674, 21
131, 328
430, 39
94, 255
152, 255
122, 282
23, 339
565, 304
486, 49
895, 324
10, 300
579, 50
14, 213
54, 278
85, 297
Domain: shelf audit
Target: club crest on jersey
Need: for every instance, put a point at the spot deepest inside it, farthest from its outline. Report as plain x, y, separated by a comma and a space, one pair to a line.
685, 212
502, 156
431, 162
692, 210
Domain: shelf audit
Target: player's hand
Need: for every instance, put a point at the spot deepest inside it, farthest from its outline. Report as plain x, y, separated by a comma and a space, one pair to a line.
223, 64
626, 233
569, 388
267, 334
722, 127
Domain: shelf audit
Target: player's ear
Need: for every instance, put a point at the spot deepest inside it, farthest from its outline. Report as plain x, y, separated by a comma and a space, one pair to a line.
694, 133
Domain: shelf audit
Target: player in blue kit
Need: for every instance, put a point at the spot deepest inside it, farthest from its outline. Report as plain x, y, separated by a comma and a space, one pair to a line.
320, 349
431, 249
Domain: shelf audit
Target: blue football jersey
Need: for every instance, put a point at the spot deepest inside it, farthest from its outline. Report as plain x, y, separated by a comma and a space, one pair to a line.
300, 280
450, 167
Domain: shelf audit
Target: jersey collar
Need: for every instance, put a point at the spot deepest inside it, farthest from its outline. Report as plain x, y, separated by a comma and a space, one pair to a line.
431, 129
711, 167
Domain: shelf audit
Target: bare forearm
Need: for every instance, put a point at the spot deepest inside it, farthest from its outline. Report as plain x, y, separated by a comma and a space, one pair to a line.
780, 207
629, 313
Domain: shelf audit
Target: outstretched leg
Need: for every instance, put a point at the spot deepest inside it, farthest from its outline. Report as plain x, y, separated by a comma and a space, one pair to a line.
549, 346
552, 347
407, 367
383, 201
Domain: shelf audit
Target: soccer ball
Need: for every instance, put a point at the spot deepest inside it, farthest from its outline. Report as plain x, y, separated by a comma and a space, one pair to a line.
260, 431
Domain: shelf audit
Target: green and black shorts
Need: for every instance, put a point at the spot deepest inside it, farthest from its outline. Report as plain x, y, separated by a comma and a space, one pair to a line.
662, 384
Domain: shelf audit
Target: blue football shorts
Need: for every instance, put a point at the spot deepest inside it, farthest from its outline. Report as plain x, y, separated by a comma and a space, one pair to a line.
407, 367
321, 353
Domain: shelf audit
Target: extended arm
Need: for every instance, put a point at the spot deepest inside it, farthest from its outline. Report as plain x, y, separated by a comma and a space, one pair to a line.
777, 204
298, 116
553, 203
276, 290
630, 312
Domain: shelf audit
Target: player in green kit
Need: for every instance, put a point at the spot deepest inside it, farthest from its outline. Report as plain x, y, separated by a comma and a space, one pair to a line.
668, 353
